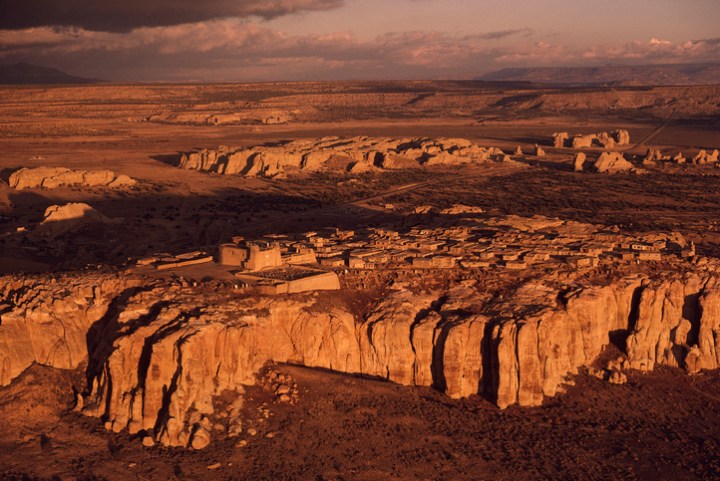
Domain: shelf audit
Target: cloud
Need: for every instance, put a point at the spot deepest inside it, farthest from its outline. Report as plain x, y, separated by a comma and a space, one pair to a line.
239, 50
233, 49
506, 33
125, 15
654, 51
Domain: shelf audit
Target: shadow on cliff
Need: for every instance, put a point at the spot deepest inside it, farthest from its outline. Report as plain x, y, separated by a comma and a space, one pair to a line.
173, 159
103, 334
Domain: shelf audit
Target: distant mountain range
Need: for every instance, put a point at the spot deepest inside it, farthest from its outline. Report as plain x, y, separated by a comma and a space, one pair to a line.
24, 73
677, 74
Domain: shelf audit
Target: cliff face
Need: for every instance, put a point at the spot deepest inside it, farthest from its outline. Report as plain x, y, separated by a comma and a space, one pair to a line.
46, 321
677, 324
166, 361
356, 154
53, 177
162, 363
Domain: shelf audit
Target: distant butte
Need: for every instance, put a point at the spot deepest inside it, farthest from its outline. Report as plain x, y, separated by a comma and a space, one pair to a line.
674, 74
27, 74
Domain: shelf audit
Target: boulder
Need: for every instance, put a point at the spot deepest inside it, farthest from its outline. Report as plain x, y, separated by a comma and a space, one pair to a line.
652, 156
679, 159
583, 141
560, 139
122, 180
605, 140
579, 162
612, 163
703, 157
622, 137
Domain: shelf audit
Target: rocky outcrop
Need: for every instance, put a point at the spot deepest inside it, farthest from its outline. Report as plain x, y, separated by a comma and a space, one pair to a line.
61, 219
46, 321
621, 136
579, 162
583, 141
357, 154
53, 177
679, 159
458, 209
560, 138
251, 113
607, 140
161, 360
161, 363
703, 157
613, 163
653, 156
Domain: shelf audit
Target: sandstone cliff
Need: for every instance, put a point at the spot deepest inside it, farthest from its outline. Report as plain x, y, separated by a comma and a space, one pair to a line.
160, 358
46, 320
53, 177
356, 154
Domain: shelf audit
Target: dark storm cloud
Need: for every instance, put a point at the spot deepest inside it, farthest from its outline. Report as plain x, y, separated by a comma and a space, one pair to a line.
506, 33
125, 15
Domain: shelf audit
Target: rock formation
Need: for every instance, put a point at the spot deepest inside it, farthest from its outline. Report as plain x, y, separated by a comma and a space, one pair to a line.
621, 136
457, 209
47, 320
653, 156
160, 358
703, 157
560, 138
357, 154
607, 140
61, 219
583, 141
612, 163
251, 113
679, 159
53, 177
579, 162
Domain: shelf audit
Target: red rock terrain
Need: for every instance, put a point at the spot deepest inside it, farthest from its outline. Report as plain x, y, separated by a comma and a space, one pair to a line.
502, 370
157, 356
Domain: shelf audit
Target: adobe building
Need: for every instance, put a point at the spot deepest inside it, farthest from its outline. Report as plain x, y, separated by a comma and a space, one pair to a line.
250, 256
294, 281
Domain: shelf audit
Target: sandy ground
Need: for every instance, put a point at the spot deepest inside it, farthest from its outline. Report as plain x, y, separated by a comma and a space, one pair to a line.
660, 426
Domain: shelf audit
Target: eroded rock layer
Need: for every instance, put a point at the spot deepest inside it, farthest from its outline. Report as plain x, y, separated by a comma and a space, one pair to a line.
161, 355
53, 177
357, 154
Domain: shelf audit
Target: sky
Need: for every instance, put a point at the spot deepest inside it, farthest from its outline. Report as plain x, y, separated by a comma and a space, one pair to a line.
298, 40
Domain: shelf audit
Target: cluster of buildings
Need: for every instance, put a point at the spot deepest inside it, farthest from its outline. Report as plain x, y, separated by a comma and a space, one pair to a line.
469, 247
286, 264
